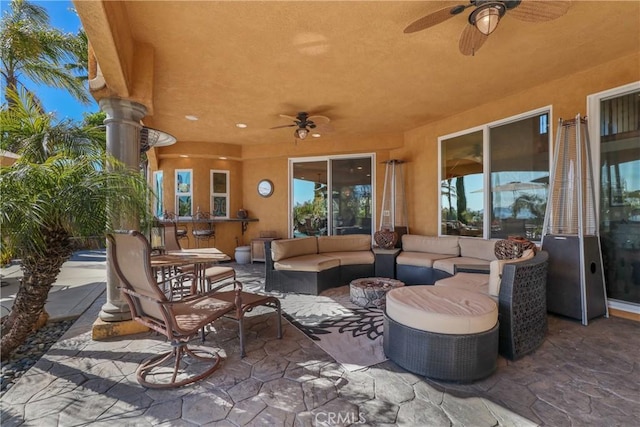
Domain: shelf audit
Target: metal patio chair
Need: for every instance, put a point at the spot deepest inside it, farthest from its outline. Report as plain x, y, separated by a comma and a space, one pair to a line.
180, 321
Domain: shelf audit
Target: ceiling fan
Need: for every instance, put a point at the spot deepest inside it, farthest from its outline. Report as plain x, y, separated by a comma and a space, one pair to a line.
303, 123
484, 19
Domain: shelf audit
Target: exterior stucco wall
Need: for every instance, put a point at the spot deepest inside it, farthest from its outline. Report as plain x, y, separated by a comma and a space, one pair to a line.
567, 97
272, 162
226, 233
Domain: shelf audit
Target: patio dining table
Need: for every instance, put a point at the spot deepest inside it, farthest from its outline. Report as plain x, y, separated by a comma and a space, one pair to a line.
200, 258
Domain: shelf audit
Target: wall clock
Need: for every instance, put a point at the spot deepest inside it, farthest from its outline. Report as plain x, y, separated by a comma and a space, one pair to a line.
265, 188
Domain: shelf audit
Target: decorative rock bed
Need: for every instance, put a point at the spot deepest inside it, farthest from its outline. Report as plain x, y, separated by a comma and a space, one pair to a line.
30, 352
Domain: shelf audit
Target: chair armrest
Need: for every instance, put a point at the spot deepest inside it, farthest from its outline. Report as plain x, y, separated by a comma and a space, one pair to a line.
470, 268
202, 295
236, 286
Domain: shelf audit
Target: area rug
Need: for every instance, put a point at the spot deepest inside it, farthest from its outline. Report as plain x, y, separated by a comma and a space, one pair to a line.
352, 335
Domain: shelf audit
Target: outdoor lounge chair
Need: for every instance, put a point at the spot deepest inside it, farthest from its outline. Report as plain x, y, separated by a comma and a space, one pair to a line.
179, 321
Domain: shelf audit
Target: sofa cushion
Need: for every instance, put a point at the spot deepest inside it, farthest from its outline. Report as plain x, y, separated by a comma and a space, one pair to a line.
448, 264
419, 259
477, 248
442, 310
287, 248
495, 271
310, 263
351, 242
352, 257
476, 282
430, 244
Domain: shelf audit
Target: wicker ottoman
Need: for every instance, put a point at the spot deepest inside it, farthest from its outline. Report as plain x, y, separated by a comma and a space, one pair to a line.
371, 291
441, 333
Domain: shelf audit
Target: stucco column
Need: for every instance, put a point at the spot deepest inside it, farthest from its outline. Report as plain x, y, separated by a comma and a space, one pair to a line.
123, 130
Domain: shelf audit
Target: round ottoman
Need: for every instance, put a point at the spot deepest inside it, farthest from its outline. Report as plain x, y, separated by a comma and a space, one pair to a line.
370, 292
442, 333
243, 254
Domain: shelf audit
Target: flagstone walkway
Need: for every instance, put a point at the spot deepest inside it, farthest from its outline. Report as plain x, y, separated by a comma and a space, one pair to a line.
581, 376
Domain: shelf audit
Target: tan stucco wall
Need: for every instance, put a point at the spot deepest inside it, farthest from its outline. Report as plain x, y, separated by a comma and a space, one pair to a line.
226, 233
7, 160
259, 162
250, 164
271, 162
567, 97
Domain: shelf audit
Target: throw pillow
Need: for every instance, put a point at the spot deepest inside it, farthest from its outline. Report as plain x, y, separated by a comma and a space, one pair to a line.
513, 247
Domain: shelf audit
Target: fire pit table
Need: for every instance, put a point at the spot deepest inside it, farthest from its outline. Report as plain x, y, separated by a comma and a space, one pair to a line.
370, 292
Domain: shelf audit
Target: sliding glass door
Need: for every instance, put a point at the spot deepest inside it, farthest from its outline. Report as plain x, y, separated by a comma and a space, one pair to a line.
616, 130
331, 196
310, 215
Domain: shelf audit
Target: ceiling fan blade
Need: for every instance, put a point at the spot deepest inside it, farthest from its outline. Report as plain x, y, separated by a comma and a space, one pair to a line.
283, 126
284, 116
324, 128
471, 40
433, 19
539, 10
315, 118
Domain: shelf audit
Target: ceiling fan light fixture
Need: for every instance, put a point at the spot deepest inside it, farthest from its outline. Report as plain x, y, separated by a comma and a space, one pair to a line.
301, 133
487, 16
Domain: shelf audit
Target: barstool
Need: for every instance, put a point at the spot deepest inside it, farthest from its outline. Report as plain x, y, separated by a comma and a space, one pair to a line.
202, 228
181, 229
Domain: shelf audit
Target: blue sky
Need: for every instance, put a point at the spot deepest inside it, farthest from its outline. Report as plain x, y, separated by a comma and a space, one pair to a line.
63, 17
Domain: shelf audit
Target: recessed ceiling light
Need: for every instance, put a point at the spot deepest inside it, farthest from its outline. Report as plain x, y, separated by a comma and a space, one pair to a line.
191, 117
223, 158
316, 135
359, 168
184, 155
241, 125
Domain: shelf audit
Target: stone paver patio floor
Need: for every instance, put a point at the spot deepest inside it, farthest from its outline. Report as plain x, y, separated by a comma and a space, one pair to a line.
581, 376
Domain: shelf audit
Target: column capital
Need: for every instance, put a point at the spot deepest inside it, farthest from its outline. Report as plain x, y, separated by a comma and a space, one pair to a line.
120, 109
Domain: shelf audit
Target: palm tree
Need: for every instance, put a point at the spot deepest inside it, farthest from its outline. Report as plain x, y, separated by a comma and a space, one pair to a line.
535, 204
448, 189
62, 188
31, 48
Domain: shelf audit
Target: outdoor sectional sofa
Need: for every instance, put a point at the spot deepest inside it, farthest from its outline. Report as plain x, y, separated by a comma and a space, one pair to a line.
519, 286
520, 294
427, 259
310, 265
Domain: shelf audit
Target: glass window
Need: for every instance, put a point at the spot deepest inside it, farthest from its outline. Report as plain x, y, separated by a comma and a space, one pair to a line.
519, 164
516, 171
184, 192
461, 194
220, 194
158, 203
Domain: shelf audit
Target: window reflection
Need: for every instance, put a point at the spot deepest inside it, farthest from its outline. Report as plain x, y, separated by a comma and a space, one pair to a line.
518, 177
351, 202
461, 185
332, 196
310, 199
519, 158
620, 195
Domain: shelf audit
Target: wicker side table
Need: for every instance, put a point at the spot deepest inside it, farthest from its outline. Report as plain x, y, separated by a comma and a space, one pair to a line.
370, 292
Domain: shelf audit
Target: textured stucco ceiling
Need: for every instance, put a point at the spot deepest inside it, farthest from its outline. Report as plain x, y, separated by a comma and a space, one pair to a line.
229, 62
